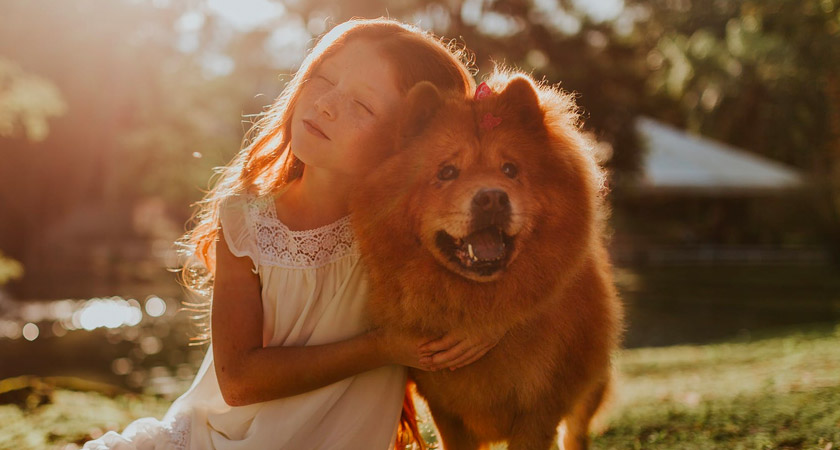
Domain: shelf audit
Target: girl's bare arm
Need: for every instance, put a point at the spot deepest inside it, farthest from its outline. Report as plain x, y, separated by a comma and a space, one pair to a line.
250, 373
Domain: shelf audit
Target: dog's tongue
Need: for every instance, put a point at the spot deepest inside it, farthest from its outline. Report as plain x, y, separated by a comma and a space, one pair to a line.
487, 244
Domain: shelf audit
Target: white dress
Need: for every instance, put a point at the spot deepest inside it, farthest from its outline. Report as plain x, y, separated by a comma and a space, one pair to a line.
314, 290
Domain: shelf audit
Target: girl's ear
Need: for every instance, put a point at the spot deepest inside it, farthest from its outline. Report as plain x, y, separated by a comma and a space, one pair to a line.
423, 101
520, 96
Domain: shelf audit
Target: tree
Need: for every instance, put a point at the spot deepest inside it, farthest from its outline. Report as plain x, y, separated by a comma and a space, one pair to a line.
142, 117
9, 269
600, 60
762, 75
27, 102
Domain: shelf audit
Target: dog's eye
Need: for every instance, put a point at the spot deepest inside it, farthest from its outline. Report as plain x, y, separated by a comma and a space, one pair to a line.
448, 172
509, 170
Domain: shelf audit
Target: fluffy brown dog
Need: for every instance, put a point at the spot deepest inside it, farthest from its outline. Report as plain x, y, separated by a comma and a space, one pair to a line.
488, 218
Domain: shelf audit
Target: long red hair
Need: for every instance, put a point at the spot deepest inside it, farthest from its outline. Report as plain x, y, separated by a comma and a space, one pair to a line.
265, 162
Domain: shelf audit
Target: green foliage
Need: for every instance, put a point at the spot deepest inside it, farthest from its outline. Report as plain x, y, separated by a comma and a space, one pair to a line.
9, 269
144, 118
755, 75
27, 101
72, 417
139, 108
762, 75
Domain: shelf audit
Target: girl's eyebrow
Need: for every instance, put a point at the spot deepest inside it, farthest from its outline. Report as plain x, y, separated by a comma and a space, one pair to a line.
324, 65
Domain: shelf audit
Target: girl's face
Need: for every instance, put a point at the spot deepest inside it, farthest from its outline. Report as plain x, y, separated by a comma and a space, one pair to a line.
340, 107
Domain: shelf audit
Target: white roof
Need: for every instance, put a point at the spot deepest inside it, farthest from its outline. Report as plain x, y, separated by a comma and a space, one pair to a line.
675, 160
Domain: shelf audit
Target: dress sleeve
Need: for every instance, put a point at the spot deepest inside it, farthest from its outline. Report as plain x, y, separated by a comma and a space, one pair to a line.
238, 229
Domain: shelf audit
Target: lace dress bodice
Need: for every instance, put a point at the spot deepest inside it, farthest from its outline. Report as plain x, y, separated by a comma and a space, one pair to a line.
313, 289
281, 247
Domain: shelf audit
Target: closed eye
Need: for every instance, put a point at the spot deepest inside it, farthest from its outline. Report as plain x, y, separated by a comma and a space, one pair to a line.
326, 79
370, 111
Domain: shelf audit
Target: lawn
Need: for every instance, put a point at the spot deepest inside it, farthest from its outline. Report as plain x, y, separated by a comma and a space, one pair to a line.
780, 390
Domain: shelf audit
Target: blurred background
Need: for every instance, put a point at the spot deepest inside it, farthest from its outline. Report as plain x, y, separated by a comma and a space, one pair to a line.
718, 120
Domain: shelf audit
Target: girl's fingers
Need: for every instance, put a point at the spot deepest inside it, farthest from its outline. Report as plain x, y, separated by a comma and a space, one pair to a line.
451, 352
475, 357
424, 366
444, 358
467, 357
440, 344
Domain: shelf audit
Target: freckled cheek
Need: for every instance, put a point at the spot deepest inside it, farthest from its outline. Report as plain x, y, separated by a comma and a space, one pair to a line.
360, 132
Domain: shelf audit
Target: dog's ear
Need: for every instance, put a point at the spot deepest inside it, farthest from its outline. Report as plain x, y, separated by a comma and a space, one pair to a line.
520, 96
422, 102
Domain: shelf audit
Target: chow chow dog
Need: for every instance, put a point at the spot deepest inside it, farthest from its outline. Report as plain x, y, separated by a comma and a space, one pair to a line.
488, 217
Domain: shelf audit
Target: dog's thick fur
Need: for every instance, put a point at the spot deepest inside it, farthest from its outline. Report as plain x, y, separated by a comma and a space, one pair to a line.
549, 285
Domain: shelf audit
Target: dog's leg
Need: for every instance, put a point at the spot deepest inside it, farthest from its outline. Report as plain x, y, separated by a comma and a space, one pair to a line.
533, 432
577, 423
453, 434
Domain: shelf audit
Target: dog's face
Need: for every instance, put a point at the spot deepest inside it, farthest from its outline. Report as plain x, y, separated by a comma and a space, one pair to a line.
477, 174
475, 211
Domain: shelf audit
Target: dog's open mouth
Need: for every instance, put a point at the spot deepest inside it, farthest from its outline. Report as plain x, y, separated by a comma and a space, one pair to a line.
484, 252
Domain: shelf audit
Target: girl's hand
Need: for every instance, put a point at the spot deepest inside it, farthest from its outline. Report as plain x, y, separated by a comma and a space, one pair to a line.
401, 348
455, 350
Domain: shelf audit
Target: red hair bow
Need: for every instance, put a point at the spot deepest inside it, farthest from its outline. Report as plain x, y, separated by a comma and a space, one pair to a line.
489, 121
482, 91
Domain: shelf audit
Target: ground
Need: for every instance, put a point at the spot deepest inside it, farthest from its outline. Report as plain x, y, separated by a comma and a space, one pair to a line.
780, 390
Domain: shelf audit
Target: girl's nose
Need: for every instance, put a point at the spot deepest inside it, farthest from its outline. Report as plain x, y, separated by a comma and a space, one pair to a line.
326, 105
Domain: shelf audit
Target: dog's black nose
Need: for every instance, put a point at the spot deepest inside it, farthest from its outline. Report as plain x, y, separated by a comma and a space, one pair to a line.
491, 201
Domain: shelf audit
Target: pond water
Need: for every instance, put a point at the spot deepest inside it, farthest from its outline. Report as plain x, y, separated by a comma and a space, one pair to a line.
143, 343
138, 344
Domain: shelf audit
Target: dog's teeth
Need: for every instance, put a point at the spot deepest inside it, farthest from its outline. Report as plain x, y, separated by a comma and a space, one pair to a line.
472, 253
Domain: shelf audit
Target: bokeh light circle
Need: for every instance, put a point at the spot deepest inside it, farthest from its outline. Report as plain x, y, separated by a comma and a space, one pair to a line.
155, 306
31, 331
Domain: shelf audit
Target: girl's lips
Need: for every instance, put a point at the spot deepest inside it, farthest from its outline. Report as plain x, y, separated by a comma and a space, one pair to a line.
312, 128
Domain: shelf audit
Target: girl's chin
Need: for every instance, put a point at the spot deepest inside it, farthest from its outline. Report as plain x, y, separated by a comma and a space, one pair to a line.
311, 157
306, 152
321, 160
316, 162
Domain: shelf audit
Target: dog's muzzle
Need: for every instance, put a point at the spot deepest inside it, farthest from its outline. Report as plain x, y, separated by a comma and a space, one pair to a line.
485, 250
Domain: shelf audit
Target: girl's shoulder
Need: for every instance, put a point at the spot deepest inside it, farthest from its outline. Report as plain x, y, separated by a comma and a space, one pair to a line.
255, 219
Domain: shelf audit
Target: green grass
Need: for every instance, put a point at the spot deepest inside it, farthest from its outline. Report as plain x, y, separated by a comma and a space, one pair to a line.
764, 420
777, 391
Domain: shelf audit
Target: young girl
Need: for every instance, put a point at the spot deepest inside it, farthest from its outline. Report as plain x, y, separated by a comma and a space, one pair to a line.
291, 363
